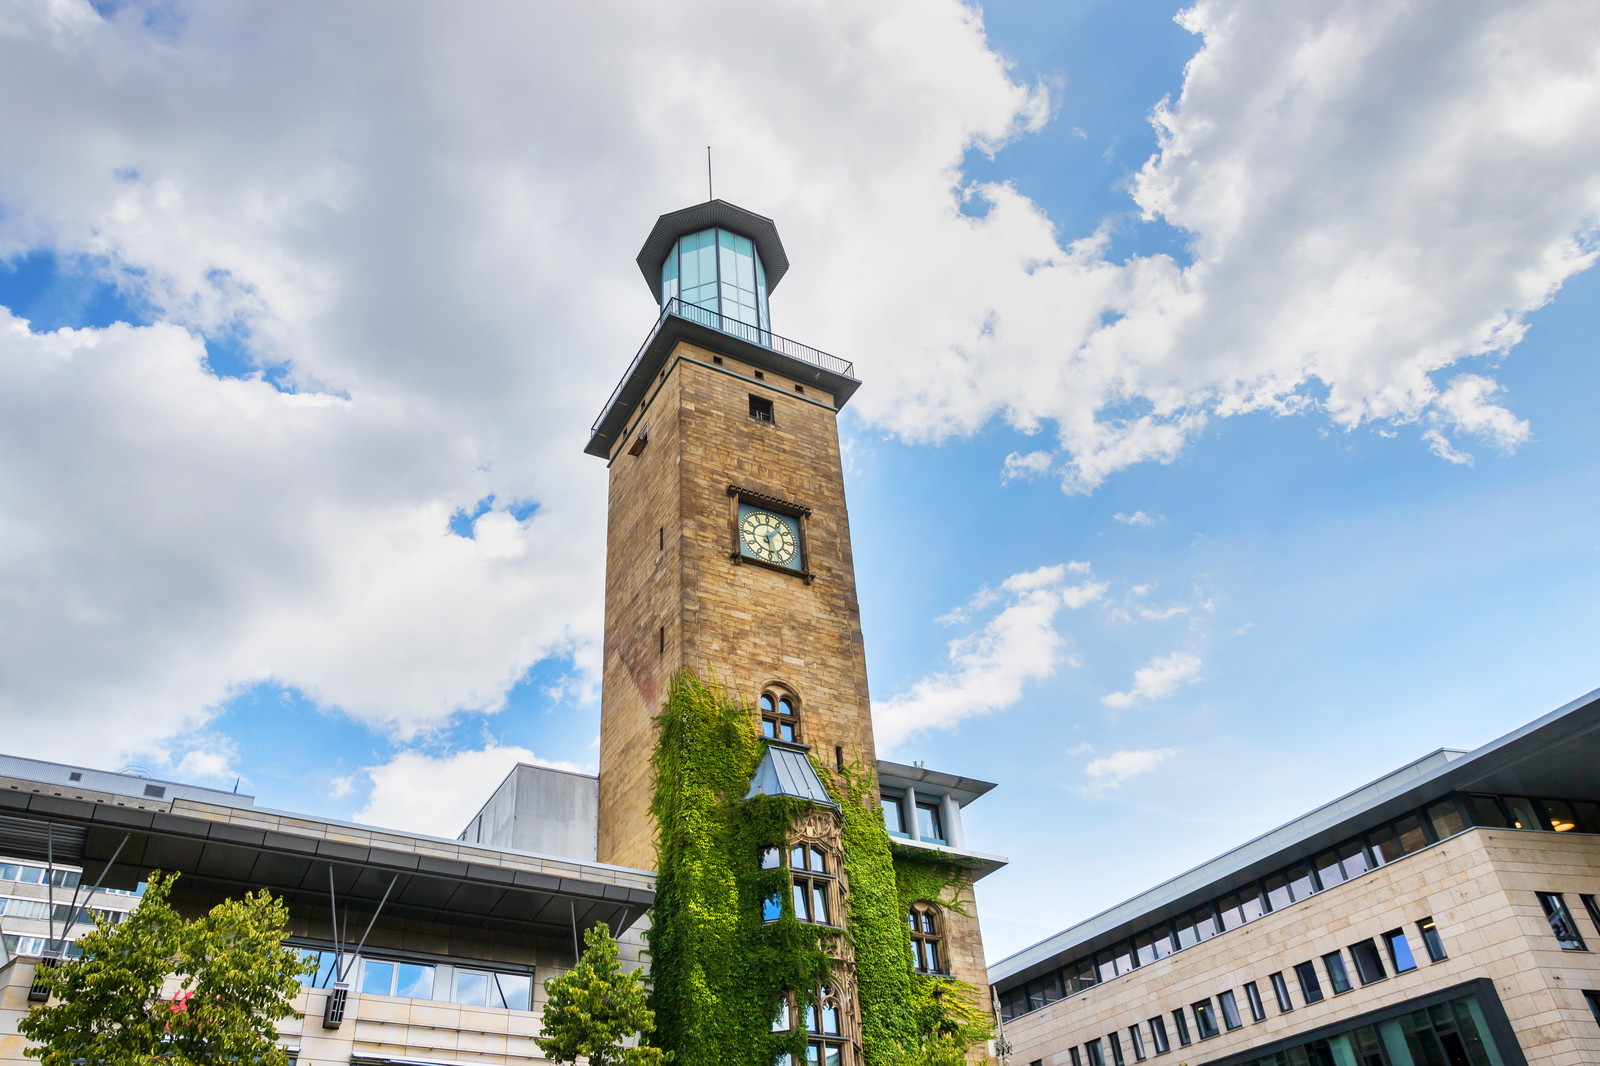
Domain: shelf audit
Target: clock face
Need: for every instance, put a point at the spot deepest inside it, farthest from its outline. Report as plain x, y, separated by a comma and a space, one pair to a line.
772, 538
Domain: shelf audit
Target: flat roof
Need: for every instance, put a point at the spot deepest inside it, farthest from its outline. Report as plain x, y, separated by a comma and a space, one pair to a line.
230, 847
1554, 755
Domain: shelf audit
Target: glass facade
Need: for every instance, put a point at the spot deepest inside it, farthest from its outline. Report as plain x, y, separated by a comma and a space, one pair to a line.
720, 271
1453, 1033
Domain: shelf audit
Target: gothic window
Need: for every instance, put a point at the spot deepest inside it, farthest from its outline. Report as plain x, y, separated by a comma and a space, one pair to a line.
823, 1021
780, 716
927, 945
811, 871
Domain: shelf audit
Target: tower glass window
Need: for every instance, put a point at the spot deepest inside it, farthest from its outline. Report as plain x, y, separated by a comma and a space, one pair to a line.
780, 718
720, 271
811, 873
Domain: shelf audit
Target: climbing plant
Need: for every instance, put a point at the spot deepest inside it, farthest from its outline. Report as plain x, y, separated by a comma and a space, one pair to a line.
718, 970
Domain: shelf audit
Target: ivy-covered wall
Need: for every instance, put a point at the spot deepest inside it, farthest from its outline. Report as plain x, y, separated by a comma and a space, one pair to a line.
717, 970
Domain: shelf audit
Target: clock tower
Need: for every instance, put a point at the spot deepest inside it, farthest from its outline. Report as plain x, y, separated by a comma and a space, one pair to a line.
728, 543
728, 554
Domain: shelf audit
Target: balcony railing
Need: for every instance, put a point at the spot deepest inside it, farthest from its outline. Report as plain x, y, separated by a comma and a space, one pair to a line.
734, 328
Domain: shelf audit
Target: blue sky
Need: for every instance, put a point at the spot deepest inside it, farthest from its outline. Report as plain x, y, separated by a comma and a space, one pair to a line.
1236, 369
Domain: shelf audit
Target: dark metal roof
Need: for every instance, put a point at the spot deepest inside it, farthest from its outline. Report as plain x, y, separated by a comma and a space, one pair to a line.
674, 224
786, 771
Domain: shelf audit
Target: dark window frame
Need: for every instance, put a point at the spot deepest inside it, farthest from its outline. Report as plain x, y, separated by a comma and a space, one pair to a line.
1184, 1039
1398, 936
1369, 961
1228, 1006
1338, 972
763, 410
1158, 1035
1310, 984
1205, 1019
1252, 996
1559, 917
1432, 940
1280, 991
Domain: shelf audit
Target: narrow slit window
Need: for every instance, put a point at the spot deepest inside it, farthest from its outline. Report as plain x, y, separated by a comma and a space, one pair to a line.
1431, 940
1400, 956
1561, 923
1252, 995
1280, 992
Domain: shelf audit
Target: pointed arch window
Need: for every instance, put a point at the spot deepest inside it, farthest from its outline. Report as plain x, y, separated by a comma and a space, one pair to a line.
927, 939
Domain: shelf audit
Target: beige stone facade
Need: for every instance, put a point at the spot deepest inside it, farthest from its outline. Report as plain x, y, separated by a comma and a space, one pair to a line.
677, 595
1479, 887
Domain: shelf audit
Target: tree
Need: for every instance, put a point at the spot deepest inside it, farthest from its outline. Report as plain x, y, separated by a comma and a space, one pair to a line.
235, 980
593, 1007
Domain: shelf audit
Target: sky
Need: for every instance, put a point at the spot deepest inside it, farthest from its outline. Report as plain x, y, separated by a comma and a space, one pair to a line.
1225, 438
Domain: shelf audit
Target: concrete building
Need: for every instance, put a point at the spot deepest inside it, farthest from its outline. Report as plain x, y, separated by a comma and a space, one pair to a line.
1445, 914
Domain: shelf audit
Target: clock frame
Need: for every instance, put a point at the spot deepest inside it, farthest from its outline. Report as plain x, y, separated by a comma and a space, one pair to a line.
769, 531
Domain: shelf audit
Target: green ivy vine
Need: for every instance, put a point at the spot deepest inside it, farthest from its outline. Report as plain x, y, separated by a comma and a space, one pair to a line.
718, 970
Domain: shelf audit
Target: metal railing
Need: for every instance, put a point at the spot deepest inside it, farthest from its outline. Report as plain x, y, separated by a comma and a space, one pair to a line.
734, 328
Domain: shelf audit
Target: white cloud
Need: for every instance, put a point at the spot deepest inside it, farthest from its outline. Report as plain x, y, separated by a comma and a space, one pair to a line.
439, 269
1160, 677
1031, 465
989, 667
1161, 614
1112, 770
1137, 518
437, 794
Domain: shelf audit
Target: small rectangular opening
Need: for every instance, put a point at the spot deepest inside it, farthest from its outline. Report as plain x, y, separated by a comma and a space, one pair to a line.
75, 776
760, 376
838, 757
640, 440
155, 791
761, 409
661, 641
661, 539
717, 359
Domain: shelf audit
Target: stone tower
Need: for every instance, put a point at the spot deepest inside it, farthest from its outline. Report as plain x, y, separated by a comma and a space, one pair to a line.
728, 549
728, 553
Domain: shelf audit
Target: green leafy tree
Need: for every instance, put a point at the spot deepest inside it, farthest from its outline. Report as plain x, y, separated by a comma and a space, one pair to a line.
593, 1007
235, 980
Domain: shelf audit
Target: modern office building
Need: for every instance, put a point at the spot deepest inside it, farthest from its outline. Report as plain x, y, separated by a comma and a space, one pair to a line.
431, 952
1443, 915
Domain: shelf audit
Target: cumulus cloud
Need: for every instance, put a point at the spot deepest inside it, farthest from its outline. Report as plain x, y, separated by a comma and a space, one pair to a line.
1112, 770
437, 794
429, 285
989, 667
1137, 518
1160, 677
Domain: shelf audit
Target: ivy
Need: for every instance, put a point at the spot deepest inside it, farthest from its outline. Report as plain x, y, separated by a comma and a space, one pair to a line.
718, 971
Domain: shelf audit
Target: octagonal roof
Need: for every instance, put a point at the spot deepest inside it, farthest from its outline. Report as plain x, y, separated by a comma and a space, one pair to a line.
669, 227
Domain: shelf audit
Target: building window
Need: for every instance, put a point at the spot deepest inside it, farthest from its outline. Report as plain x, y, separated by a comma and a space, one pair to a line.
1181, 1023
894, 814
1230, 1009
1077, 1059
783, 1020
926, 944
1205, 1019
1561, 923
477, 988
825, 1046
1136, 1041
1116, 1049
1399, 951
1310, 987
1280, 991
1338, 976
811, 873
1097, 1057
407, 980
1158, 1035
1369, 964
780, 716
930, 822
1593, 999
1252, 995
1431, 940
761, 409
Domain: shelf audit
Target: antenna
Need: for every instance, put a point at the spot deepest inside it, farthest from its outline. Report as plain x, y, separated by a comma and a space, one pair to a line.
709, 194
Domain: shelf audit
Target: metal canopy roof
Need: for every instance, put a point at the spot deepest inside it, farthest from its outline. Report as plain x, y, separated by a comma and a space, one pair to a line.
516, 892
674, 224
785, 770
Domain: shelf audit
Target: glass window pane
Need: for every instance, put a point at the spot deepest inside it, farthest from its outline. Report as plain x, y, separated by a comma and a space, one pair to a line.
891, 815
1144, 948
797, 857
1328, 871
1399, 951
1560, 815
1164, 944
1205, 923
1230, 1009
414, 982
1353, 857
1523, 813
819, 894
1369, 963
802, 902
1228, 911
1310, 987
1251, 904
1588, 815
1445, 819
1300, 883
771, 908
1431, 939
1412, 838
1338, 976
780, 1020
767, 858
1486, 811
515, 990
1278, 895
930, 825
377, 978
1280, 991
819, 862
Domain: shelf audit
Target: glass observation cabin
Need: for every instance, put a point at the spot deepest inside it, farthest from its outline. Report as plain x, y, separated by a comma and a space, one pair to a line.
715, 263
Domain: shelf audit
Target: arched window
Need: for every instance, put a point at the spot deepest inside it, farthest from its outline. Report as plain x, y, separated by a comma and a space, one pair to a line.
780, 716
824, 1023
927, 941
